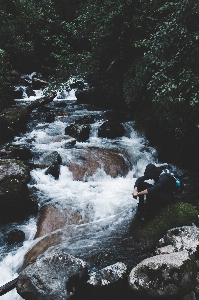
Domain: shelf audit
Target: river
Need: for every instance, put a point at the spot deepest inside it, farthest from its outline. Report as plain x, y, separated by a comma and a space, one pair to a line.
105, 203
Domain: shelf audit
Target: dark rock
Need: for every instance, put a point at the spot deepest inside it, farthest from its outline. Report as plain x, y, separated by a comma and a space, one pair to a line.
85, 96
55, 275
78, 131
50, 117
111, 130
53, 158
15, 236
87, 119
79, 84
15, 203
53, 170
30, 92
19, 152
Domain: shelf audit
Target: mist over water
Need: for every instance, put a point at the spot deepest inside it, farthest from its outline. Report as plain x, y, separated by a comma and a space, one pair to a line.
105, 204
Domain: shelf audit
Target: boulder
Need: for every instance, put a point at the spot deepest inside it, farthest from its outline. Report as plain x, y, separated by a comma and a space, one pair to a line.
15, 236
79, 132
111, 130
166, 275
14, 195
86, 96
108, 276
87, 161
182, 238
51, 218
30, 92
53, 170
50, 117
53, 158
55, 275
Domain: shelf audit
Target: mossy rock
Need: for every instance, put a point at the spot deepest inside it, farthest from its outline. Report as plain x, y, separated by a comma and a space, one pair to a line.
175, 215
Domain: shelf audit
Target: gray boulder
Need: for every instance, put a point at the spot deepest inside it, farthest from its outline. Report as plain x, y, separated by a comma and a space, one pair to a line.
55, 275
166, 276
53, 158
179, 239
108, 276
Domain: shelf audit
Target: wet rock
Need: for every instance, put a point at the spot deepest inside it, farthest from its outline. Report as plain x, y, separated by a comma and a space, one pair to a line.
109, 276
15, 236
53, 170
16, 93
167, 275
182, 238
19, 152
14, 196
52, 218
87, 161
62, 275
53, 158
50, 117
30, 92
111, 130
78, 131
78, 84
85, 96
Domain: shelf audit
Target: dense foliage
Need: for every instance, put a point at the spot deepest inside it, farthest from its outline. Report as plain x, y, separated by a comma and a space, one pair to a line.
139, 52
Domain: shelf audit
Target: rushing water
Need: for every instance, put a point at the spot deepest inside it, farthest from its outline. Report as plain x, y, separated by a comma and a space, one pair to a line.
105, 203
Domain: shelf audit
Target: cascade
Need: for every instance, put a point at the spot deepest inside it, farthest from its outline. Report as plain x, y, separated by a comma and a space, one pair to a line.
104, 203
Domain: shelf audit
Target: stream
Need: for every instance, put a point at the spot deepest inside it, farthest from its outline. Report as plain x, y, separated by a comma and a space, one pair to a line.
105, 204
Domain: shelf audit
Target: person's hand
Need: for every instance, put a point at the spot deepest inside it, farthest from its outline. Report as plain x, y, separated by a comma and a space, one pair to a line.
135, 193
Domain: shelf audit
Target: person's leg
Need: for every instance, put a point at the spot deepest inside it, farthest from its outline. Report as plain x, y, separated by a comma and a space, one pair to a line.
141, 204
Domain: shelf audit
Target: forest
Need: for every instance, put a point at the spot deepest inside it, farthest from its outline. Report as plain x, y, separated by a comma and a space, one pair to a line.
140, 55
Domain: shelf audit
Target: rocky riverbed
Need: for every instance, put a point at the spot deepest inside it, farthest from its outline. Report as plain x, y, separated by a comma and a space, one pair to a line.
66, 183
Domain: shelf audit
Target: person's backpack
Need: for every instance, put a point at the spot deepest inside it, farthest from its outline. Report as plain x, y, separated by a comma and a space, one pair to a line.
176, 181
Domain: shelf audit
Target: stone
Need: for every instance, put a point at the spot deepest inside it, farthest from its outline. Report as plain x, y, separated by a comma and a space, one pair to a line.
15, 236
183, 238
88, 160
51, 218
79, 132
55, 275
53, 158
111, 130
54, 171
109, 275
165, 275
